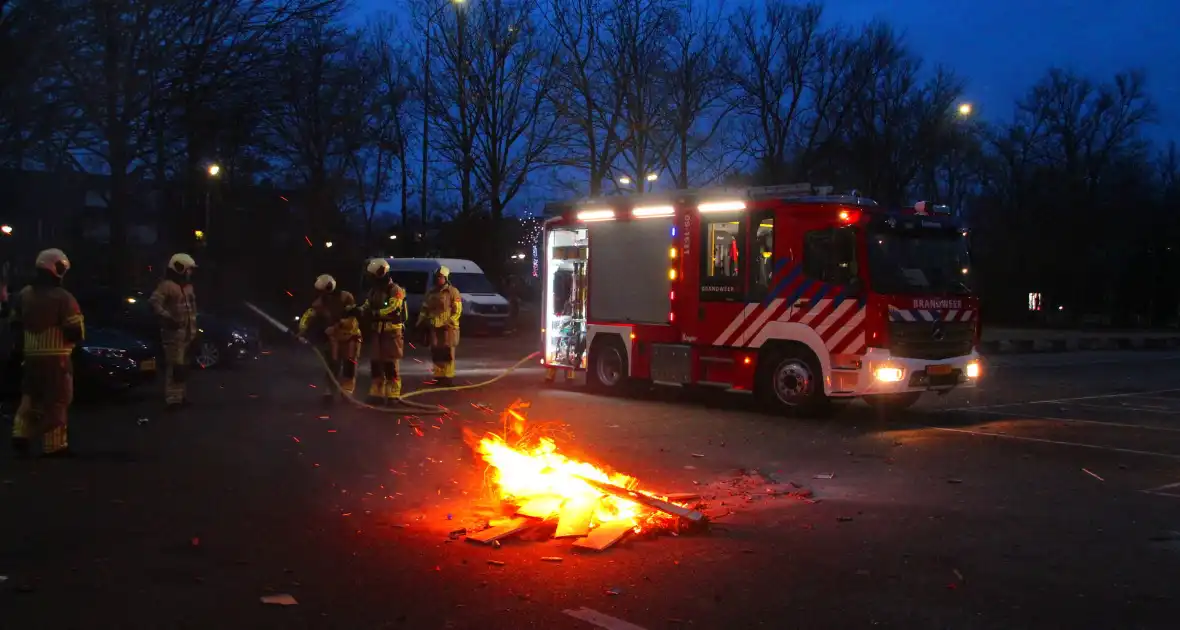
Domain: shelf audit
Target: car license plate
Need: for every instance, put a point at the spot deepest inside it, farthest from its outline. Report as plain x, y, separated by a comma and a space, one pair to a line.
938, 370
148, 365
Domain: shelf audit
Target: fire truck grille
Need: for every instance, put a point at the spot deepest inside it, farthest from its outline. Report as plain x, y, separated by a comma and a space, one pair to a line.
927, 340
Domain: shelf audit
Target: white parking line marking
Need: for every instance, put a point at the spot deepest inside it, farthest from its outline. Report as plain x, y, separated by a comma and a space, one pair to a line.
1157, 490
1122, 408
595, 618
1097, 447
1126, 425
1063, 400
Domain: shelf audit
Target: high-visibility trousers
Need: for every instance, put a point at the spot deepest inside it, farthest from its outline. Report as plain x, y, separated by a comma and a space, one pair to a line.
47, 389
175, 367
342, 356
385, 355
443, 342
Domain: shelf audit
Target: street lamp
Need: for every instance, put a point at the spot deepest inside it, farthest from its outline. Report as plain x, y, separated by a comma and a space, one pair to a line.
214, 170
426, 103
393, 237
328, 244
965, 109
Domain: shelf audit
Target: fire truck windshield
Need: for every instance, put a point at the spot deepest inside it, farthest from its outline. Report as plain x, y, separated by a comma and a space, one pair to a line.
911, 264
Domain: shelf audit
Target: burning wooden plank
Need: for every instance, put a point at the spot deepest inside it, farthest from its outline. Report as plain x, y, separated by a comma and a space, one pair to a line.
576, 515
643, 499
604, 536
492, 534
541, 507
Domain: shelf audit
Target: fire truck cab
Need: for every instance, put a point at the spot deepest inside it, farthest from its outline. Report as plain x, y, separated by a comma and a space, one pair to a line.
798, 297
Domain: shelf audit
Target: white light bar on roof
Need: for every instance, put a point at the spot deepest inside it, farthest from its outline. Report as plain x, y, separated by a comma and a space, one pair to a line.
722, 206
653, 211
596, 215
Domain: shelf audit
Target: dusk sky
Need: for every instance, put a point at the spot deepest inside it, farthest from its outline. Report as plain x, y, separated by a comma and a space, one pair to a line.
1003, 46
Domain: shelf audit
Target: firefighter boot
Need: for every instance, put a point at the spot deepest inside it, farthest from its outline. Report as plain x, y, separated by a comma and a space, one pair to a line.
393, 384
377, 382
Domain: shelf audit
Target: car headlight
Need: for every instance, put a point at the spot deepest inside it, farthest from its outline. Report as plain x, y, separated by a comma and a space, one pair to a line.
100, 351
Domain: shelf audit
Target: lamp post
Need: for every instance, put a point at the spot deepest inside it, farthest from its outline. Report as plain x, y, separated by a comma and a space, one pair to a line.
214, 171
426, 104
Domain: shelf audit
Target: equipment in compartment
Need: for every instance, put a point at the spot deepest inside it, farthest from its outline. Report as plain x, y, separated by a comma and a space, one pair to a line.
567, 297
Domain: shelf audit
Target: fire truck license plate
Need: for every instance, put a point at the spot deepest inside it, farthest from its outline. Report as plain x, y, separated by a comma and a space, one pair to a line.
938, 370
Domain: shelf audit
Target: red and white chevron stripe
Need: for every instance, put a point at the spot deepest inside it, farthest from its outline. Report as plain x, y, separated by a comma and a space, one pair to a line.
840, 326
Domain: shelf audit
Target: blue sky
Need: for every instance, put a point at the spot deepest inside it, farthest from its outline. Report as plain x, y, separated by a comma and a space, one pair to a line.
1003, 46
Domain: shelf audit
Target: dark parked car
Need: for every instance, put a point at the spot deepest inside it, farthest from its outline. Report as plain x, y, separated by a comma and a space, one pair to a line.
219, 341
113, 360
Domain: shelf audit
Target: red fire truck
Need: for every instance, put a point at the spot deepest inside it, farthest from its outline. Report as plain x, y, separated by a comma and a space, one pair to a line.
797, 297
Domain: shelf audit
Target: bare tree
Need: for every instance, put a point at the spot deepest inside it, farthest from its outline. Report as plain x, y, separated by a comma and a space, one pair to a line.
32, 120
510, 80
450, 104
589, 92
699, 60
318, 123
395, 96
639, 37
780, 47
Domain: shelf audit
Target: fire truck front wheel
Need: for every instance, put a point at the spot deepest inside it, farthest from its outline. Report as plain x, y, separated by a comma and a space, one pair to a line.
790, 379
608, 365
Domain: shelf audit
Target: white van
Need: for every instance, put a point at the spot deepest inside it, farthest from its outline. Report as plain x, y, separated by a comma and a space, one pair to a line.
484, 309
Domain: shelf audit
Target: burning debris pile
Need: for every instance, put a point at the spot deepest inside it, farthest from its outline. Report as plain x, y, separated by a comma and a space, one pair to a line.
595, 507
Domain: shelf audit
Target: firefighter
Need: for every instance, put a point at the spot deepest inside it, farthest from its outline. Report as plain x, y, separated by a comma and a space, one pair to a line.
331, 324
439, 318
175, 303
385, 314
50, 324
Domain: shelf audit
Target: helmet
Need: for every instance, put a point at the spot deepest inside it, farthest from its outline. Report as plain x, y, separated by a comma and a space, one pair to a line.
443, 271
181, 263
325, 283
378, 267
54, 261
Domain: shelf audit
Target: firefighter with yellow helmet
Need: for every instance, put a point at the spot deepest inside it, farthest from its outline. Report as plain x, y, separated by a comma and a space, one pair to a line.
50, 324
385, 314
175, 304
441, 308
331, 324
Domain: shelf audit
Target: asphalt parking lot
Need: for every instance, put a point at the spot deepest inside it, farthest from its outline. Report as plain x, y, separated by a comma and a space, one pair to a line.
1045, 499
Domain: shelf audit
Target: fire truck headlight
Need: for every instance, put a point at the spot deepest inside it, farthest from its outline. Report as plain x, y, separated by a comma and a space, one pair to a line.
888, 374
972, 370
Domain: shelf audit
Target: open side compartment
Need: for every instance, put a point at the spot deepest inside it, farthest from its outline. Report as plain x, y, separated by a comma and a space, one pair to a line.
567, 254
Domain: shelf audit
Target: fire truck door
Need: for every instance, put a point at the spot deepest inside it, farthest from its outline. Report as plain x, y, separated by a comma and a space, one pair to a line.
723, 265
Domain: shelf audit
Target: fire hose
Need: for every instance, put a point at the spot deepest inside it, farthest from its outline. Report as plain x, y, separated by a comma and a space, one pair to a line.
401, 400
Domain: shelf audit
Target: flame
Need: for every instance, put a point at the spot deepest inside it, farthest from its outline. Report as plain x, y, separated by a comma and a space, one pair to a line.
533, 469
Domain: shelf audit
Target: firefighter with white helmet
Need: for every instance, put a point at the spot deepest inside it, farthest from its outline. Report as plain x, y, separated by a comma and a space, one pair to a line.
441, 308
385, 314
50, 324
175, 303
331, 324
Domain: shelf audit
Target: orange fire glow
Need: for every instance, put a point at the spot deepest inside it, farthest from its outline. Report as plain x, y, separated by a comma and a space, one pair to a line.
532, 473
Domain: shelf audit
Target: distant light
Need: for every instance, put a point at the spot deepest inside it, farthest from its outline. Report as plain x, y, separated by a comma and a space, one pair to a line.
214, 170
651, 177
393, 237
200, 234
6, 229
965, 109
131, 300
328, 244
624, 180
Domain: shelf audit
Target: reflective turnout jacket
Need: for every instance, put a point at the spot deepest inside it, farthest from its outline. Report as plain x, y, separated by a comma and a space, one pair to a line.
176, 306
331, 316
387, 308
441, 307
50, 320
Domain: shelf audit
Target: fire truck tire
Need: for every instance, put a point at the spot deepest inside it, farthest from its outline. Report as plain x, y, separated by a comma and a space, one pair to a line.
790, 379
893, 402
608, 365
